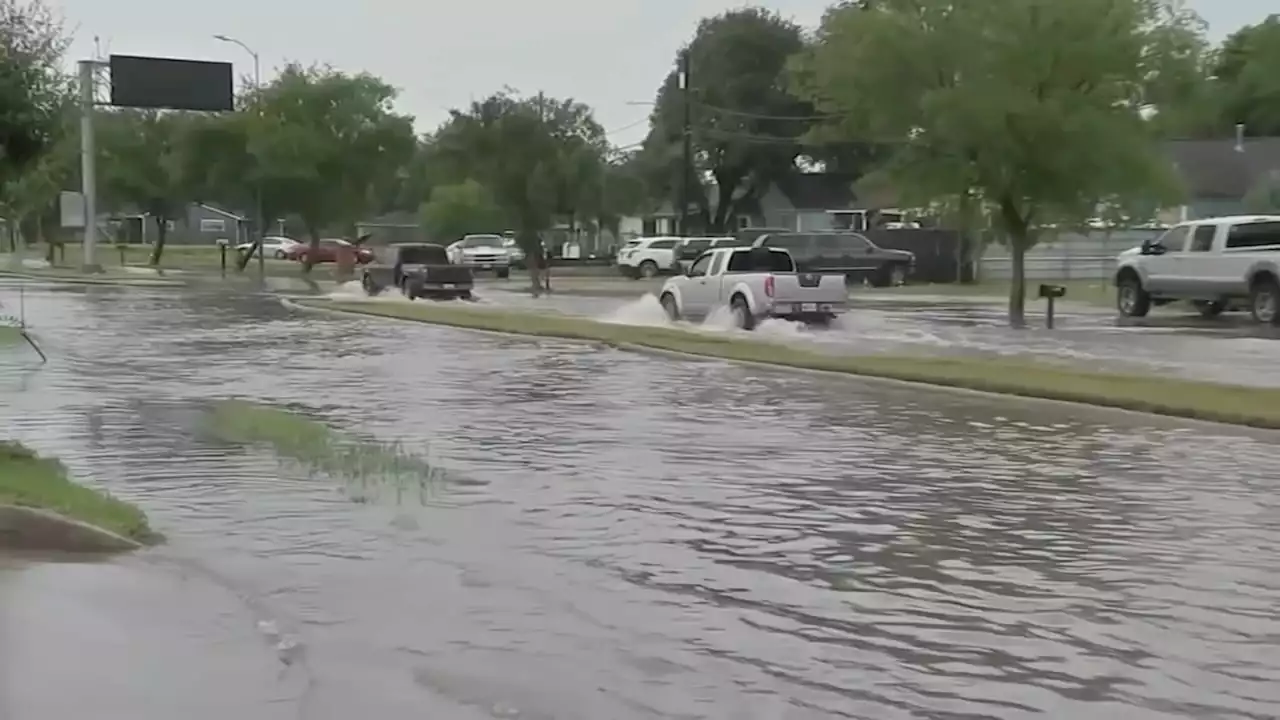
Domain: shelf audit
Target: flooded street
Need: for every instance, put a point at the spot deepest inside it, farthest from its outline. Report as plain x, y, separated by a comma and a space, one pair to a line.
619, 536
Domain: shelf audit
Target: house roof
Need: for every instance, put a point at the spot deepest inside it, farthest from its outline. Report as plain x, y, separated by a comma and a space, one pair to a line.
1216, 169
819, 191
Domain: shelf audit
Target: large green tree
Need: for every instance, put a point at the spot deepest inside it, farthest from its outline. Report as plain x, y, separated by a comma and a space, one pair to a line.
532, 154
1248, 76
744, 122
456, 210
141, 168
1032, 106
34, 94
325, 146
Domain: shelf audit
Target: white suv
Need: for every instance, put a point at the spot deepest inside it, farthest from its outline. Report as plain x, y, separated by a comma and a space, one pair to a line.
649, 257
1219, 264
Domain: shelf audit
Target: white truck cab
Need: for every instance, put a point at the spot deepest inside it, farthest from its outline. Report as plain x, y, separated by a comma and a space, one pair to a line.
753, 283
1218, 264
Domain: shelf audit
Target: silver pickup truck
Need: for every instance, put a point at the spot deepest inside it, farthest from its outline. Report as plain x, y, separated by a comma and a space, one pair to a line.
754, 283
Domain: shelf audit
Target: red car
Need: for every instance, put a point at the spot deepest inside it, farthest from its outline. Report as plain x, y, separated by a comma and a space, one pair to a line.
328, 252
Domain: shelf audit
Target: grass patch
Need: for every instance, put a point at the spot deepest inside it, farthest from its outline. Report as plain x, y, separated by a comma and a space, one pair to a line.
370, 470
10, 335
192, 259
29, 480
1238, 405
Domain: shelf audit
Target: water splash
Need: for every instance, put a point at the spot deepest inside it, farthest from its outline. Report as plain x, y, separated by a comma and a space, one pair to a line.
646, 311
353, 291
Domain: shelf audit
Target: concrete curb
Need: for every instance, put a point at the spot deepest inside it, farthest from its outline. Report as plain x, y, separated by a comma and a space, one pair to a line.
122, 282
34, 529
831, 374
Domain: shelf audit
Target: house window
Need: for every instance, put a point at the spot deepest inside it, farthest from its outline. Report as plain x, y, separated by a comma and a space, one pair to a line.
744, 222
213, 225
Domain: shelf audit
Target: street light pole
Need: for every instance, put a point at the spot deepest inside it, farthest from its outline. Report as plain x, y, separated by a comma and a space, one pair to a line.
261, 219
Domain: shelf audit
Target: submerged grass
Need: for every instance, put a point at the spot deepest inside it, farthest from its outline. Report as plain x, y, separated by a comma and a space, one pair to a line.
369, 469
28, 480
1238, 405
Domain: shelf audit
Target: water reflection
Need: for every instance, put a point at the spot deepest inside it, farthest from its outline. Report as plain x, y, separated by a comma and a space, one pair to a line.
647, 538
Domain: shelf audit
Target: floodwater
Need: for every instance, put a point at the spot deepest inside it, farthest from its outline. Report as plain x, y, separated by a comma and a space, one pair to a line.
1174, 343
619, 536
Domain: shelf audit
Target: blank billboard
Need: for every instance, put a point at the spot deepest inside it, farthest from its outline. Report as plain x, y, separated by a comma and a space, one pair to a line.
170, 83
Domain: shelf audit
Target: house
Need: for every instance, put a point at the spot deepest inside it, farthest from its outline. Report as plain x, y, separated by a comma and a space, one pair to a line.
804, 202
198, 224
1219, 174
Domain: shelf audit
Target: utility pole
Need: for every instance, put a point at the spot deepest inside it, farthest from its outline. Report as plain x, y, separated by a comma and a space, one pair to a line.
261, 220
686, 164
88, 166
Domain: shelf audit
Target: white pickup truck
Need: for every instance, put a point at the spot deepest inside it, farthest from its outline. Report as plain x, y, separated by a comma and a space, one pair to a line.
1218, 264
754, 283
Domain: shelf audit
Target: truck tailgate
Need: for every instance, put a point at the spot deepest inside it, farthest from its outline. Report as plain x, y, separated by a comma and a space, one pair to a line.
447, 274
792, 288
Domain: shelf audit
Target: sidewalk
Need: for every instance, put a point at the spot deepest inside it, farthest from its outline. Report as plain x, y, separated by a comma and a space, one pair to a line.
131, 639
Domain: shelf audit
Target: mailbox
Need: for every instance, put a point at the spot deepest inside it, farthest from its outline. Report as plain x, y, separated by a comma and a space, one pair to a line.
1052, 291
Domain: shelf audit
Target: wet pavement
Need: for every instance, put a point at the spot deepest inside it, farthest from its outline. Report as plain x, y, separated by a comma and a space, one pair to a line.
620, 537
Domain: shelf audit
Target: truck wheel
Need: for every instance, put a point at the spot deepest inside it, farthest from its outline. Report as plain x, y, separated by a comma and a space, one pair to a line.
1264, 300
370, 287
504, 273
670, 307
649, 269
1209, 308
411, 290
897, 276
742, 317
1131, 299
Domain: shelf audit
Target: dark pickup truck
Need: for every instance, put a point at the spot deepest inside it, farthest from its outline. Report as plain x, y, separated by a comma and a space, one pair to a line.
419, 270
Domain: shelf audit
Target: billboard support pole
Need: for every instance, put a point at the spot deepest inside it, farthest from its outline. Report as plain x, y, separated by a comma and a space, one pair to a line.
88, 166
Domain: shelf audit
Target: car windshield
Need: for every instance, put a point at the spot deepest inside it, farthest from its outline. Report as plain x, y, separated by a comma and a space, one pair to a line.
482, 241
423, 255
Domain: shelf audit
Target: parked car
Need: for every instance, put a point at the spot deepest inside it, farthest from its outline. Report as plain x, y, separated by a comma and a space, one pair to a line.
649, 257
848, 253
275, 246
692, 248
328, 252
482, 253
1219, 264
754, 283
419, 270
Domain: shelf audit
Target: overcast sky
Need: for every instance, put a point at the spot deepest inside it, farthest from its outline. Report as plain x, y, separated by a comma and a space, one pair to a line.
443, 53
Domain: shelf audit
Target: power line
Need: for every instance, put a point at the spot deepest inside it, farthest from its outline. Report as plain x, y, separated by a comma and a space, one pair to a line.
759, 116
628, 126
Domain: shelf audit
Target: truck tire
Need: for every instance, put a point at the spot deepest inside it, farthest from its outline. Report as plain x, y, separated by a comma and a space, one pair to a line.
1264, 300
889, 275
370, 287
1131, 299
411, 289
648, 269
503, 274
741, 311
670, 307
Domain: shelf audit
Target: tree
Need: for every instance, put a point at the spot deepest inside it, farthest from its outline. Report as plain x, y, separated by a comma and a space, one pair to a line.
455, 210
141, 167
1248, 79
33, 86
1031, 106
325, 146
531, 154
745, 129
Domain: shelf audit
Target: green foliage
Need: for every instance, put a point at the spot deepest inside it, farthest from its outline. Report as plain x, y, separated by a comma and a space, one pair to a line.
326, 145
455, 210
1248, 73
1032, 105
29, 480
141, 166
33, 85
741, 138
367, 468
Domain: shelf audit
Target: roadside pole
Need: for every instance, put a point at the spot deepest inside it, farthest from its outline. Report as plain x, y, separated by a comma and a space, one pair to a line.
88, 166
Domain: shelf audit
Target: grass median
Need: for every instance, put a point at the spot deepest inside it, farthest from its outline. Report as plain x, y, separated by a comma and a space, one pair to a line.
28, 480
1093, 292
1238, 405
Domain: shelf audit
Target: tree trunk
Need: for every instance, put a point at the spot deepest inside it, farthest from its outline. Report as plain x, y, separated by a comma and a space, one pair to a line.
1018, 280
162, 231
313, 250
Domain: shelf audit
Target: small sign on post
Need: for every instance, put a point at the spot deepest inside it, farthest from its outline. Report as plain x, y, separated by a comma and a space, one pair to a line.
1051, 293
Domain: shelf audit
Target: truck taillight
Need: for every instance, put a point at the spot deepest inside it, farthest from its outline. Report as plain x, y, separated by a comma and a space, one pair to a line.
768, 286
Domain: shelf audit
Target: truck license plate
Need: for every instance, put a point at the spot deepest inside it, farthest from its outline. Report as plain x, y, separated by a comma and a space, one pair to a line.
809, 307
449, 286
